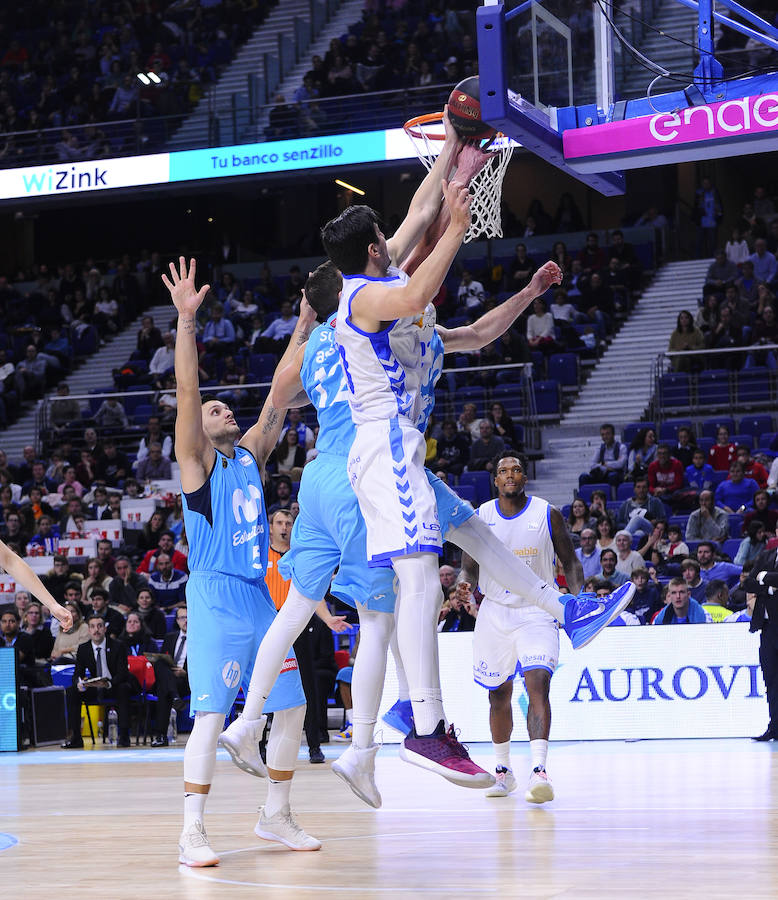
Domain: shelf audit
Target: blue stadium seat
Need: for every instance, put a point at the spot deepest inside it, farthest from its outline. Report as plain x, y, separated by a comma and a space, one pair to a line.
630, 431
713, 388
753, 387
585, 491
705, 443
755, 425
142, 413
747, 440
564, 368
467, 492
668, 431
625, 490
730, 547
680, 521
474, 394
718, 477
674, 390
262, 366
547, 398
510, 397
711, 426
481, 483
512, 376
565, 510
766, 438
735, 525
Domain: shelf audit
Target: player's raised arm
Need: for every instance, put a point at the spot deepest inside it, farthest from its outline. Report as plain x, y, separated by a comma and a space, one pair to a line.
194, 451
563, 547
426, 201
497, 321
287, 388
377, 303
20, 571
262, 437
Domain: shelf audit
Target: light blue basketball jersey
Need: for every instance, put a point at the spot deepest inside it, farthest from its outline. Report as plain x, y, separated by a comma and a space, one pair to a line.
225, 519
325, 384
433, 373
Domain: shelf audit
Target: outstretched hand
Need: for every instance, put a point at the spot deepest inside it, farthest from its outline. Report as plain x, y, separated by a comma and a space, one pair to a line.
181, 285
458, 199
544, 277
63, 615
307, 315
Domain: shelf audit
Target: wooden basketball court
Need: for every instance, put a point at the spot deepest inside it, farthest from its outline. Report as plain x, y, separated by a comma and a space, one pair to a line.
647, 819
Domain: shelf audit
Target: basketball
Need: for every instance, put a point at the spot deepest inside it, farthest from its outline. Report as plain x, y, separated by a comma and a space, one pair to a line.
464, 110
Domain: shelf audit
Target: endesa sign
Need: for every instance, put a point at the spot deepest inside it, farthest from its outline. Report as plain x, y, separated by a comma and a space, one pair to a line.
674, 681
730, 128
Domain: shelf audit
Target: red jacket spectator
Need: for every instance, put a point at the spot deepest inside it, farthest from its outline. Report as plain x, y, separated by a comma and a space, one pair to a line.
757, 471
176, 557
665, 473
721, 455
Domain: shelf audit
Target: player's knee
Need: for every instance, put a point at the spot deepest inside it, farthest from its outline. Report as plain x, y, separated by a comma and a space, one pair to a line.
537, 683
500, 697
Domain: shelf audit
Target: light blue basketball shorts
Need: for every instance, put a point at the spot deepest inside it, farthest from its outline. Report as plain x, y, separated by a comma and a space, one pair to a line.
228, 617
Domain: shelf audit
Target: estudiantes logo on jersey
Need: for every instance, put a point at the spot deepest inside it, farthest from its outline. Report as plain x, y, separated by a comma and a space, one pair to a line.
231, 673
246, 509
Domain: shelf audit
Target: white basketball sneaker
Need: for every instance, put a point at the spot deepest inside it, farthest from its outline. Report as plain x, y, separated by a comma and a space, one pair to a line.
505, 783
539, 789
241, 740
357, 768
283, 829
194, 849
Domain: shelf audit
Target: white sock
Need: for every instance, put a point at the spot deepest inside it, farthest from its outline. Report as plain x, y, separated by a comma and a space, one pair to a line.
502, 754
287, 626
277, 796
194, 807
402, 680
367, 681
538, 752
349, 715
477, 540
419, 602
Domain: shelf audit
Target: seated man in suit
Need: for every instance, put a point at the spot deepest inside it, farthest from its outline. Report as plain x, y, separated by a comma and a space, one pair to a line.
105, 658
172, 677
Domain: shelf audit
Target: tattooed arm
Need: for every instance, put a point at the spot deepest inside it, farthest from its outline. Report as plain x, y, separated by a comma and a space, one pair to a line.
261, 438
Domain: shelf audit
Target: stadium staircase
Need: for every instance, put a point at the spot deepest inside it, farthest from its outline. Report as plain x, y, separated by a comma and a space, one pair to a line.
619, 387
249, 60
96, 372
678, 23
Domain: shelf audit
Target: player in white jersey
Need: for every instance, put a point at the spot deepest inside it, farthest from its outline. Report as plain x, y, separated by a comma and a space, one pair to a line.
510, 640
385, 326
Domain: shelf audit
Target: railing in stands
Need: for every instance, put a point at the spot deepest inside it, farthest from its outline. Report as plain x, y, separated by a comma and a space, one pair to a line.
700, 382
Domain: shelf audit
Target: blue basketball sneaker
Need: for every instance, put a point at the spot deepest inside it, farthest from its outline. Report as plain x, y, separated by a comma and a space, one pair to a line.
400, 716
587, 614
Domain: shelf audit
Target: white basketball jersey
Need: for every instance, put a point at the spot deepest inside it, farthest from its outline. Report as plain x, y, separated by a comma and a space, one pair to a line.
528, 535
385, 370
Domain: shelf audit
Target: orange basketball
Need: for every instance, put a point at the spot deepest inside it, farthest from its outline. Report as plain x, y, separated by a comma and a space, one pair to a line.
464, 110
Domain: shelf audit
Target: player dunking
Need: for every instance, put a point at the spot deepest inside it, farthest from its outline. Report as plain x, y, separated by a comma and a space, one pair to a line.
384, 329
510, 640
229, 605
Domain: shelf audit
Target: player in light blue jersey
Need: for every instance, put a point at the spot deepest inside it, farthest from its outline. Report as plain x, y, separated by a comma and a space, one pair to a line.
229, 605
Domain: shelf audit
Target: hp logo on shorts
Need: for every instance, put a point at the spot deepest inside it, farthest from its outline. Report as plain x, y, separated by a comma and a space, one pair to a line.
231, 674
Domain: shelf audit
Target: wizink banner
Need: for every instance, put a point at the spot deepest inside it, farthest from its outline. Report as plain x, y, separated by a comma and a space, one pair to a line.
674, 681
200, 165
9, 716
745, 125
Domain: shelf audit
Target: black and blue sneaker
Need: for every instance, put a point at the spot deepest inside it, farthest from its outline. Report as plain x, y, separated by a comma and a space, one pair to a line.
400, 716
587, 614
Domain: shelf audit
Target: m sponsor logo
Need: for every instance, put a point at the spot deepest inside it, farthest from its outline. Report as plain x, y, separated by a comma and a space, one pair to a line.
248, 507
231, 674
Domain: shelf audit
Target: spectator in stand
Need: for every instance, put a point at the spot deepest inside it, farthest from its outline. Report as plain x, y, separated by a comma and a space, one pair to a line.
149, 338
608, 462
112, 466
568, 217
723, 452
46, 541
737, 491
453, 449
31, 374
627, 558
751, 467
470, 294
468, 421
685, 447
764, 262
642, 451
219, 333
289, 455
484, 450
681, 608
579, 519
34, 510
155, 467
66, 643
709, 522
588, 554
523, 267
162, 361
608, 571
165, 545
708, 213
295, 420
646, 601
721, 274
699, 475
283, 494
125, 99
123, 590
105, 555
38, 480
95, 577
63, 412
59, 578
106, 313
592, 256
628, 263
753, 544
151, 616
153, 433
276, 336
711, 568
761, 512
598, 503
562, 309
685, 337
114, 621
736, 248
665, 475
716, 603
169, 583
35, 628
690, 572
765, 331
540, 328
503, 425
636, 514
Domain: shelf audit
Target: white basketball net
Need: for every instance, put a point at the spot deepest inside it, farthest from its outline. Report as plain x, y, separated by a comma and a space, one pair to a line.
485, 186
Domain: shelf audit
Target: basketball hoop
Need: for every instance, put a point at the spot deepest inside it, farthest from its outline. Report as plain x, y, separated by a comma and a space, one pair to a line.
427, 132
